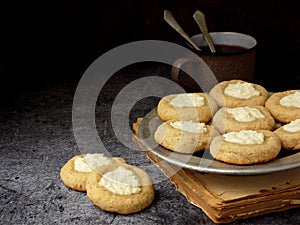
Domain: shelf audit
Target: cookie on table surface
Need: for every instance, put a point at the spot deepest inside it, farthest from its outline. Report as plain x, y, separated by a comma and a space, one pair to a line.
188, 106
235, 93
184, 136
243, 118
77, 170
289, 135
284, 106
246, 147
123, 189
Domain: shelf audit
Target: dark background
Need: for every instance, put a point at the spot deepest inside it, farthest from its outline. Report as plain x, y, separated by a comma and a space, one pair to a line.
44, 42
46, 45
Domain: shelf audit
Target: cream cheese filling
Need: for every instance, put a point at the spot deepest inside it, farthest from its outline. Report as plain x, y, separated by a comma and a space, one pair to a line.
293, 126
187, 100
241, 90
189, 126
291, 100
246, 137
91, 161
121, 181
245, 114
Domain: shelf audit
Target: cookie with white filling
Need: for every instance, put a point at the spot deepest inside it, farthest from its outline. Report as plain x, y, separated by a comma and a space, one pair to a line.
243, 118
188, 106
246, 147
235, 93
289, 135
77, 170
284, 106
122, 189
184, 136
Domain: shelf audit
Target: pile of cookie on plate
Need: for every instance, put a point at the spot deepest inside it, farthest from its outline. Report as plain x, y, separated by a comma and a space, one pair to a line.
239, 122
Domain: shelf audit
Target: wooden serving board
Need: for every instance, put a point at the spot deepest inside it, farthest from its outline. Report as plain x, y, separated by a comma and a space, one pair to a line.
226, 198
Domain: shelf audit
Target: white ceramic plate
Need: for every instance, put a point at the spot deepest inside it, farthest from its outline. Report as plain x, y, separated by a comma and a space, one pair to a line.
205, 163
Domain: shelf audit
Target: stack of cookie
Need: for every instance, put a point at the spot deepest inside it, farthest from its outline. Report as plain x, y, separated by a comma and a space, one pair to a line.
110, 183
185, 129
236, 121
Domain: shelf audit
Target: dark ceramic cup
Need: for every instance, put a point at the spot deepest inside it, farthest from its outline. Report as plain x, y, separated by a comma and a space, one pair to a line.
234, 59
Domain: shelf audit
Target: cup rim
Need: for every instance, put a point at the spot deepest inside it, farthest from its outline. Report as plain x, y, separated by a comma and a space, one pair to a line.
250, 45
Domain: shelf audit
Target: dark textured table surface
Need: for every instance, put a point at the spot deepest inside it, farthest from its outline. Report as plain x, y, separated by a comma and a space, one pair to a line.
37, 140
